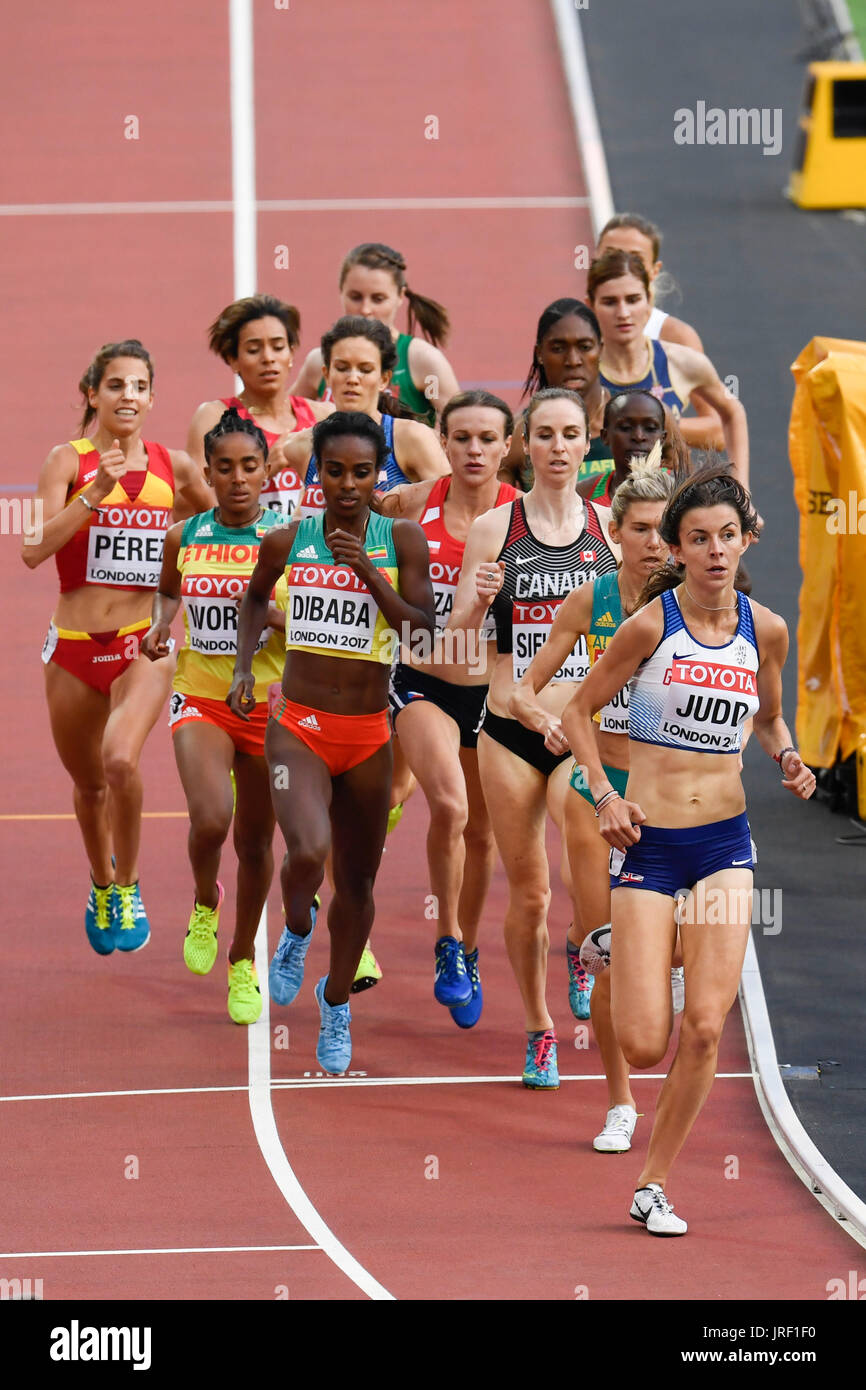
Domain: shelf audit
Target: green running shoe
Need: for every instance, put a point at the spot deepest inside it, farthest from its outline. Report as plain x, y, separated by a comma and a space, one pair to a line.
200, 943
245, 997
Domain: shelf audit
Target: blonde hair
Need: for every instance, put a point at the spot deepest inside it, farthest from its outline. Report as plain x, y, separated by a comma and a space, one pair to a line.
646, 483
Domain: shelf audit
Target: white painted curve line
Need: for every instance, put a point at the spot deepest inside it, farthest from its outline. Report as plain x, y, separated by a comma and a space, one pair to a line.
491, 204
168, 1250
584, 115
261, 1109
243, 146
804, 1156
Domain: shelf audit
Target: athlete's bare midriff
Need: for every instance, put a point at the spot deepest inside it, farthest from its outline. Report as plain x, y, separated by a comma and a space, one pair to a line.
677, 788
98, 608
336, 684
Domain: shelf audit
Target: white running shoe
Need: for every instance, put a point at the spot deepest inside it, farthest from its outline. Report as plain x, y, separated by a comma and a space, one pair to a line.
652, 1207
619, 1125
678, 988
595, 950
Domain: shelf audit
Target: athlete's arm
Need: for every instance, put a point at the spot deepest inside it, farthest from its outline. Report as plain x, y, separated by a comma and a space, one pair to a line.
201, 424
432, 373
407, 501
292, 450
308, 378
418, 451
410, 610
770, 728
253, 615
631, 644
703, 430
475, 592
57, 522
191, 493
571, 622
166, 600
704, 384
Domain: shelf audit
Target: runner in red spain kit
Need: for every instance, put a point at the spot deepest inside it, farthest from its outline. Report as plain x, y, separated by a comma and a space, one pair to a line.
358, 583
106, 501
257, 338
700, 660
526, 559
437, 702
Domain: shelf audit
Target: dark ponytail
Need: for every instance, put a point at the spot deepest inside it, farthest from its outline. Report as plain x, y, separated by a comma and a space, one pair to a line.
427, 314
130, 347
713, 485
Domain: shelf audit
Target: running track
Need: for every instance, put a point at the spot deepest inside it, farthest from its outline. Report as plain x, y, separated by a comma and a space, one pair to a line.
130, 1162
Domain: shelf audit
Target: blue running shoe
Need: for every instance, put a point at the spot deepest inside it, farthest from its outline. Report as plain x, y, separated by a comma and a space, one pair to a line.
580, 983
131, 927
540, 1072
452, 986
286, 973
98, 919
334, 1048
467, 1015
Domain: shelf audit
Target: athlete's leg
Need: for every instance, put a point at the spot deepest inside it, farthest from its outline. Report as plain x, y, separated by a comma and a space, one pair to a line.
78, 714
137, 697
204, 756
643, 932
480, 853
359, 820
253, 840
516, 796
714, 943
300, 788
402, 779
430, 744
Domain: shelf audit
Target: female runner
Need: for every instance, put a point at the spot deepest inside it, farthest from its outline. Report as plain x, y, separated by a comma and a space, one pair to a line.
355, 580
526, 559
437, 700
567, 353
207, 562
618, 290
634, 423
594, 612
257, 338
700, 659
358, 357
106, 502
373, 285
627, 232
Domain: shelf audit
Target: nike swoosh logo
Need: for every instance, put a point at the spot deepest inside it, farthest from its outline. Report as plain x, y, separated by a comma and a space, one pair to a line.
686, 656
524, 559
739, 862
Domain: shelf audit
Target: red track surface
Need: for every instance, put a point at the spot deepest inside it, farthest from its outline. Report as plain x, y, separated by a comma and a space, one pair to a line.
521, 1207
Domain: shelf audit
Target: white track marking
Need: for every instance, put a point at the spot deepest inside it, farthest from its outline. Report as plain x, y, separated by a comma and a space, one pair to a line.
315, 1083
589, 142
805, 1158
168, 1250
251, 206
243, 146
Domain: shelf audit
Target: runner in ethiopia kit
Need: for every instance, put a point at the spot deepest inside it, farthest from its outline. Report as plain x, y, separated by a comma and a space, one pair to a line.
257, 338
207, 563
526, 559
437, 698
595, 611
106, 502
356, 580
700, 659
373, 285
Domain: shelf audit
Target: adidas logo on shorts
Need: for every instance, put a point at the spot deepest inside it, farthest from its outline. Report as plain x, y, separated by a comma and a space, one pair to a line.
308, 553
311, 722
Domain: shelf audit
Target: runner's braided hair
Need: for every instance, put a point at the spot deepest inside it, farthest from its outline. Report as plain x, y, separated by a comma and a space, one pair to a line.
129, 347
430, 316
230, 422
714, 485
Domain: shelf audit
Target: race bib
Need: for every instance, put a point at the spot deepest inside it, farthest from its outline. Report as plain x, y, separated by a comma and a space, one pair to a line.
124, 547
613, 718
213, 622
707, 702
282, 492
50, 643
330, 608
531, 624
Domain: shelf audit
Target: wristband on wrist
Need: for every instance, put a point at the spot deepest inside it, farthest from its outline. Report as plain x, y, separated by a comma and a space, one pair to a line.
89, 505
780, 757
603, 801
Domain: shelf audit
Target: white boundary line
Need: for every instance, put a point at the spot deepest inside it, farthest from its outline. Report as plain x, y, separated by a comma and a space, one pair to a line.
246, 194
589, 143
243, 146
801, 1153
805, 1158
177, 1250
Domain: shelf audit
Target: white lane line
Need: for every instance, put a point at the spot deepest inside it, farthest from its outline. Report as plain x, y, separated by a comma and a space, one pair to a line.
313, 1083
589, 142
261, 1109
804, 1156
243, 146
492, 204
167, 1250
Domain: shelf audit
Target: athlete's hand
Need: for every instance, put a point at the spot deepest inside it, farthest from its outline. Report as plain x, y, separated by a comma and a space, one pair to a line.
489, 579
240, 698
156, 642
348, 549
553, 734
619, 822
112, 466
798, 778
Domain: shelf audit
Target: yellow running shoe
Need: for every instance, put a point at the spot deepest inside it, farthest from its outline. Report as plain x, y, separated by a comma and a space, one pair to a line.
234, 790
200, 943
369, 971
245, 997
394, 816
